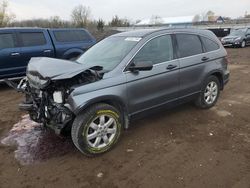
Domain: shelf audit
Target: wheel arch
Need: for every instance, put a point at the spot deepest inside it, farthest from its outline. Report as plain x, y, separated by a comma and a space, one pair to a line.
111, 100
218, 74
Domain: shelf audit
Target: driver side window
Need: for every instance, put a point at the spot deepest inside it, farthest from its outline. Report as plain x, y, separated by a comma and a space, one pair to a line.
157, 50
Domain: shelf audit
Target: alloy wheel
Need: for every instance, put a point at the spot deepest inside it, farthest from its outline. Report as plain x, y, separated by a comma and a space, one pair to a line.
211, 92
101, 131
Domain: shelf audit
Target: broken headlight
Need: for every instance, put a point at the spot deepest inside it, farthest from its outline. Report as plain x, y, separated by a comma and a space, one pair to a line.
37, 82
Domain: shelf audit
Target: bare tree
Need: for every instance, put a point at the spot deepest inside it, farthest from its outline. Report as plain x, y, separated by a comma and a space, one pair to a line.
81, 16
119, 22
210, 15
100, 25
56, 22
197, 18
115, 22
5, 17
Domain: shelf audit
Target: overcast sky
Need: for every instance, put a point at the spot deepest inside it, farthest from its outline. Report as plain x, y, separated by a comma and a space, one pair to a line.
131, 9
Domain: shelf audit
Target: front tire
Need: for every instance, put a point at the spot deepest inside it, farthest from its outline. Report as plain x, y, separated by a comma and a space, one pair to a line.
97, 129
243, 44
209, 93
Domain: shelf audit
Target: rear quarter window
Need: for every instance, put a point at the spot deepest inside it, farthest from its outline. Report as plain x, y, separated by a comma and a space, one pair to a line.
71, 36
209, 44
32, 39
188, 45
6, 40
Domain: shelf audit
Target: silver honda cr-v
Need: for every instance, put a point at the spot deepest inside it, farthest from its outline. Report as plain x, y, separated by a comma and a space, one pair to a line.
123, 76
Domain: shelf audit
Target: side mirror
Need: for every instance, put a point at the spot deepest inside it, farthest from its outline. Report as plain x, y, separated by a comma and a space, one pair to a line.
141, 66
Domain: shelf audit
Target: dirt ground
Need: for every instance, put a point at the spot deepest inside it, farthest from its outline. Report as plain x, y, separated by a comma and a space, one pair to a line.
183, 147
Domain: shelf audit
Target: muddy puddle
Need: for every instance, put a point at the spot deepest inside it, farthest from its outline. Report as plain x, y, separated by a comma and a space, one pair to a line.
35, 144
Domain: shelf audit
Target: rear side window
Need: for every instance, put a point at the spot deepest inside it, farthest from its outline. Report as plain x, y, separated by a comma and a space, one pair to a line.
71, 35
6, 40
188, 45
209, 45
157, 50
33, 39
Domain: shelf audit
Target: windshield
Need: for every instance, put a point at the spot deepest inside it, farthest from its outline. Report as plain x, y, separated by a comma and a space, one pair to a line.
237, 32
108, 53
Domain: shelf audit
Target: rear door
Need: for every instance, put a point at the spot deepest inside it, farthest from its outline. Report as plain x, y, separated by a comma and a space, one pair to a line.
34, 43
149, 89
192, 63
9, 55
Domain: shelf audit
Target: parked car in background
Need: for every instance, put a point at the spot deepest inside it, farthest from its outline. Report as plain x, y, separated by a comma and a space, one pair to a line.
239, 37
19, 45
121, 77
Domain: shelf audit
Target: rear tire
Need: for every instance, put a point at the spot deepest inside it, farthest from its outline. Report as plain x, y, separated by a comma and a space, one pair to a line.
97, 129
209, 93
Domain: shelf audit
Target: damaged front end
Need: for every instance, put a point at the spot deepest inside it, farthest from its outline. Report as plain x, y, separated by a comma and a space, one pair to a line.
46, 105
46, 97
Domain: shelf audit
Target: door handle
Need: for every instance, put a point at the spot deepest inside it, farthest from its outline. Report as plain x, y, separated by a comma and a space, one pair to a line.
204, 58
170, 67
15, 54
47, 51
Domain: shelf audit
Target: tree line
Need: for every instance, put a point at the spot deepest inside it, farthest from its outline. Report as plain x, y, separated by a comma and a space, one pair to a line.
80, 18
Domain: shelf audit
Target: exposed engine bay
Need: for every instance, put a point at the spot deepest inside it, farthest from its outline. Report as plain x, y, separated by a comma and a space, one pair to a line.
46, 98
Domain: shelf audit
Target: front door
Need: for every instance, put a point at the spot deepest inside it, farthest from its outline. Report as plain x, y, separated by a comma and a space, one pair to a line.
149, 89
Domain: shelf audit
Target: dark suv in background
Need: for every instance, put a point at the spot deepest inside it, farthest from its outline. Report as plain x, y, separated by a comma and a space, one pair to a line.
239, 37
18, 45
121, 77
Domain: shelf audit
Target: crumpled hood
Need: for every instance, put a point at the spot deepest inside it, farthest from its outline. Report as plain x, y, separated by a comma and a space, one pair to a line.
54, 69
